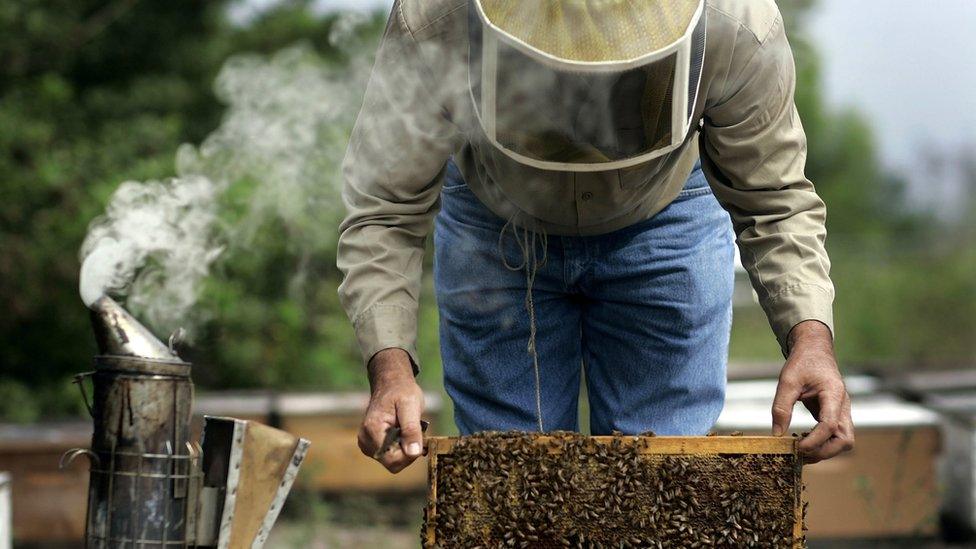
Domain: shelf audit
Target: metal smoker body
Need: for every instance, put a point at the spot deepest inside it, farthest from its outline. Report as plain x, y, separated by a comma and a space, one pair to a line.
145, 472
148, 487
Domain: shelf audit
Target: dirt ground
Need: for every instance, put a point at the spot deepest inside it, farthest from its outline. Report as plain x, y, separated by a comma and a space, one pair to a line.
310, 522
291, 535
294, 536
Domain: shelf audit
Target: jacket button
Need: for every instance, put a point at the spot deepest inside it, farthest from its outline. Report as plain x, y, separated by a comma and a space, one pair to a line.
587, 195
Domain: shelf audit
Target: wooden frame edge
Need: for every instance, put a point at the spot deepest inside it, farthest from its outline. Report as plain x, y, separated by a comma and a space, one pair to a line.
666, 445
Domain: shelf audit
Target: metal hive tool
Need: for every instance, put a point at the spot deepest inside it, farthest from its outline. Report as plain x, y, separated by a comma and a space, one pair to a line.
569, 490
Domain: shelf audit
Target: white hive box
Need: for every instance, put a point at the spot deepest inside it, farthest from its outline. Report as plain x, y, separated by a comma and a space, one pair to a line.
6, 513
886, 488
953, 395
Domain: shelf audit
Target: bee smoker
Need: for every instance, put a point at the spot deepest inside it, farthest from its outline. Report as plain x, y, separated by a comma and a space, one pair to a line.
150, 486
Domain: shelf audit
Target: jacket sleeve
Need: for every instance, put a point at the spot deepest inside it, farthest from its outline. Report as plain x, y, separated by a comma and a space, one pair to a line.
753, 150
391, 185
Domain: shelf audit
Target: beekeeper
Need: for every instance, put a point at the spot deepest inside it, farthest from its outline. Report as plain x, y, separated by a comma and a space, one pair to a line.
580, 162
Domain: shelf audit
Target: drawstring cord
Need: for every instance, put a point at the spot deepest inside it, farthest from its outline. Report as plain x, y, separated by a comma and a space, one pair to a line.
531, 263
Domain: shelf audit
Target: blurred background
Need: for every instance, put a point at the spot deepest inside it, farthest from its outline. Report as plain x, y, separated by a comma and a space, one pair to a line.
93, 94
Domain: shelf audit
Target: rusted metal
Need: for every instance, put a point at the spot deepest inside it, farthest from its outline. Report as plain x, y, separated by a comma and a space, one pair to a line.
141, 438
281, 494
145, 474
249, 469
147, 486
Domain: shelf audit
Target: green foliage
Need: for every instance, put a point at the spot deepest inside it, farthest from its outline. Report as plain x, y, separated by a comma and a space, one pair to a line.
913, 309
90, 95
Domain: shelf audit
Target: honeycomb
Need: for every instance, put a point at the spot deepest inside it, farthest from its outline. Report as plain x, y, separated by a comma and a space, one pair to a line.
570, 490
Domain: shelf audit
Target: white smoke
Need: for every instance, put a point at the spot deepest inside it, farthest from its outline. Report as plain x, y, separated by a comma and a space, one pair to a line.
167, 223
283, 136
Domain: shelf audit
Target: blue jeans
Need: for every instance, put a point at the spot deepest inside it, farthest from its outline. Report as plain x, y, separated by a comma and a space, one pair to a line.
644, 313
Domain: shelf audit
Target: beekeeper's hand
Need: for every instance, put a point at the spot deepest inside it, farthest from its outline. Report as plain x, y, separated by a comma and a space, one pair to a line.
812, 377
395, 400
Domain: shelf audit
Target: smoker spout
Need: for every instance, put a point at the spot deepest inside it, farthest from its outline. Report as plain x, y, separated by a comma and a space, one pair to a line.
118, 333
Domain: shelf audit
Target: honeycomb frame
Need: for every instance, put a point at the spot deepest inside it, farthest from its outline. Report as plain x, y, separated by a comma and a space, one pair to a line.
656, 450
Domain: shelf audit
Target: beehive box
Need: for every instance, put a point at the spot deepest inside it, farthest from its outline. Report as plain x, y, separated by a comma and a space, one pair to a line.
569, 490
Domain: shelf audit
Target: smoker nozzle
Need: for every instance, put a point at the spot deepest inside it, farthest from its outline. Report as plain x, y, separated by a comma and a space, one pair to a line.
118, 333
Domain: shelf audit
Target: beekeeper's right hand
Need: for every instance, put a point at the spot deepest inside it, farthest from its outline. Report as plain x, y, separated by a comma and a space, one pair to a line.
395, 400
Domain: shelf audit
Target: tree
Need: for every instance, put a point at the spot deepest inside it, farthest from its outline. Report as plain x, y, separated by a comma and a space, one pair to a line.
90, 94
93, 94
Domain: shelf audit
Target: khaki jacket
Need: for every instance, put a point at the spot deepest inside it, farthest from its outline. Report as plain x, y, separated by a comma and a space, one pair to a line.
418, 112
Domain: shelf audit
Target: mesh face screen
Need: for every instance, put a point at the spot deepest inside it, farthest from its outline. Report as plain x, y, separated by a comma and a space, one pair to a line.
593, 30
476, 35
495, 490
697, 62
574, 117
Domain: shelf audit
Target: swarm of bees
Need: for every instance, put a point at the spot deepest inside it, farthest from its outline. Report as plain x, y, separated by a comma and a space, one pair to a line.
516, 490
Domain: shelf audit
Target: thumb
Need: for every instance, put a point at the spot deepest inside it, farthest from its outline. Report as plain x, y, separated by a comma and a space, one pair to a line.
787, 393
411, 435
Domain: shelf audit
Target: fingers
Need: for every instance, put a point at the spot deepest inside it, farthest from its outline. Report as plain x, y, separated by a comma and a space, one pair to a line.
371, 440
827, 421
408, 411
832, 448
787, 393
834, 432
395, 461
401, 409
371, 435
372, 432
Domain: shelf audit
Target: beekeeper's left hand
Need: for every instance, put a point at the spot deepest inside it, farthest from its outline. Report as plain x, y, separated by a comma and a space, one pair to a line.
811, 376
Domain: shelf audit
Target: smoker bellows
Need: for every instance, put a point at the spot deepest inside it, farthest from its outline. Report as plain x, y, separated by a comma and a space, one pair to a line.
150, 485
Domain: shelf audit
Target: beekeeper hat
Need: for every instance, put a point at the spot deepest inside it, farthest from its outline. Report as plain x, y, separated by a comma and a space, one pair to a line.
586, 85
